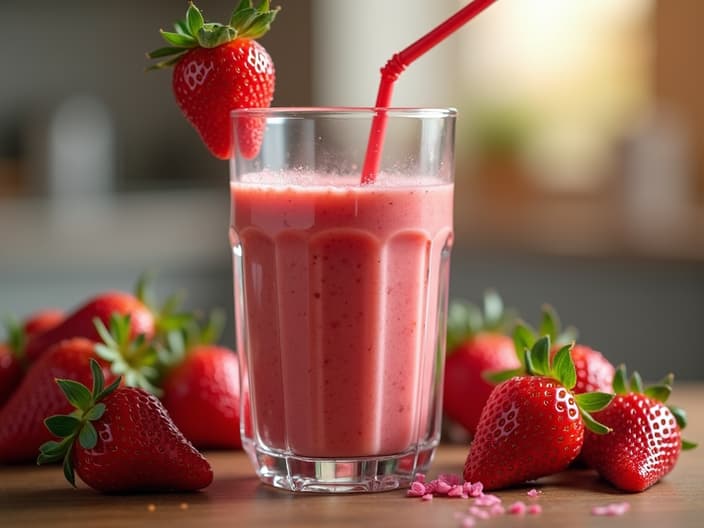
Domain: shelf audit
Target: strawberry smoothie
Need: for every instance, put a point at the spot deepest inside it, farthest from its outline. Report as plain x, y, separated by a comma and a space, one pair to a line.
345, 287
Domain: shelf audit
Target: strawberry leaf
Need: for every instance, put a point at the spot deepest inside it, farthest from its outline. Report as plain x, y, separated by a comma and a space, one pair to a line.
76, 393
62, 426
680, 415
523, 339
550, 322
540, 356
88, 436
658, 392
181, 27
636, 383
591, 424
620, 381
593, 401
96, 412
194, 18
212, 35
164, 52
493, 309
109, 389
98, 378
68, 469
687, 445
563, 367
104, 333
179, 40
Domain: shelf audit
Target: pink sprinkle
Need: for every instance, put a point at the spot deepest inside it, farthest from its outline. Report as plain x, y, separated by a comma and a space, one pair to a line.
449, 478
468, 522
535, 509
457, 491
473, 490
534, 493
417, 489
618, 508
427, 497
479, 512
487, 500
420, 477
442, 487
517, 508
497, 509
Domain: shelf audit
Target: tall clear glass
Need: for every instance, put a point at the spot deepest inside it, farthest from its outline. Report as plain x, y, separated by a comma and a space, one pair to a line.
341, 293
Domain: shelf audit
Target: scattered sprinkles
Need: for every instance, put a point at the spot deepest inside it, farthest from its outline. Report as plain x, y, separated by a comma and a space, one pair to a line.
484, 505
534, 509
611, 510
517, 508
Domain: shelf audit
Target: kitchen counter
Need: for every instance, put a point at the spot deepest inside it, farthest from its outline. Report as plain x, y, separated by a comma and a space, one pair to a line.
39, 496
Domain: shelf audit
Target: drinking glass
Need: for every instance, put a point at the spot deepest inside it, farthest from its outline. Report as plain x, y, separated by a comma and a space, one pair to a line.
340, 293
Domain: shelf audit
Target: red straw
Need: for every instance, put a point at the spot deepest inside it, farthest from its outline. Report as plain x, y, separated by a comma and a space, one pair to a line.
393, 68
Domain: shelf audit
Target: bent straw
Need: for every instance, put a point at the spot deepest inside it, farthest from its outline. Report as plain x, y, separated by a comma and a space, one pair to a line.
391, 71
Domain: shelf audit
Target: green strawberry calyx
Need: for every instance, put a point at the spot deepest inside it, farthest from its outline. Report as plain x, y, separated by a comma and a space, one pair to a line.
136, 359
182, 340
465, 320
659, 392
78, 425
525, 337
16, 340
538, 362
246, 21
167, 315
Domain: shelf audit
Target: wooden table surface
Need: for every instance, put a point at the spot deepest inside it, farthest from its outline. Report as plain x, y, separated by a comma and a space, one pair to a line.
34, 496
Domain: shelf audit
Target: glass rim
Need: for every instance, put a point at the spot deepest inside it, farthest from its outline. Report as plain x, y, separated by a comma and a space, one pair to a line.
338, 111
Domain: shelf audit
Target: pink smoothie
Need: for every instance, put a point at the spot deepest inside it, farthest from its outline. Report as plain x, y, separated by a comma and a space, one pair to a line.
342, 286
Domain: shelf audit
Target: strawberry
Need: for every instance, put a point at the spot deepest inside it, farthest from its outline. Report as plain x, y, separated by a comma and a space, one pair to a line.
533, 425
476, 345
80, 323
42, 320
646, 439
202, 390
219, 68
594, 371
21, 428
121, 439
12, 363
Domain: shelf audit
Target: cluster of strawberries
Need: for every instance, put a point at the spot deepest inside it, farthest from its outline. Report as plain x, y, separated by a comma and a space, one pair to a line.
171, 390
536, 401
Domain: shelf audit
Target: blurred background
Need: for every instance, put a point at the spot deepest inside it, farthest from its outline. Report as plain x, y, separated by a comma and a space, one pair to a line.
580, 154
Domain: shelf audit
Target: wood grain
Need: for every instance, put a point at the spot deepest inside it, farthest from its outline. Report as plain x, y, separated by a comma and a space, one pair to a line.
33, 496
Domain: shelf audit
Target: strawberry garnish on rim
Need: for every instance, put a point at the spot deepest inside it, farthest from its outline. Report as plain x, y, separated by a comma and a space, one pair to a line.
219, 68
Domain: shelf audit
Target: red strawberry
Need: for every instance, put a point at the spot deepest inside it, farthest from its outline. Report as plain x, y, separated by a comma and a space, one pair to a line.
43, 320
476, 345
646, 439
203, 386
532, 426
80, 322
21, 427
11, 372
202, 396
122, 439
220, 68
12, 365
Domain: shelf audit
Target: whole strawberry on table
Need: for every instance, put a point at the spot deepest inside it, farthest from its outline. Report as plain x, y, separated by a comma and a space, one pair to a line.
219, 68
646, 438
478, 344
533, 424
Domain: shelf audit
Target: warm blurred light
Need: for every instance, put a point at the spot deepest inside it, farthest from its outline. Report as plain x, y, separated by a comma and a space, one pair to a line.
579, 71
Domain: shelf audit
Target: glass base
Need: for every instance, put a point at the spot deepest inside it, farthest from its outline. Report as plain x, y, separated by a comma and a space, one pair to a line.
353, 475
